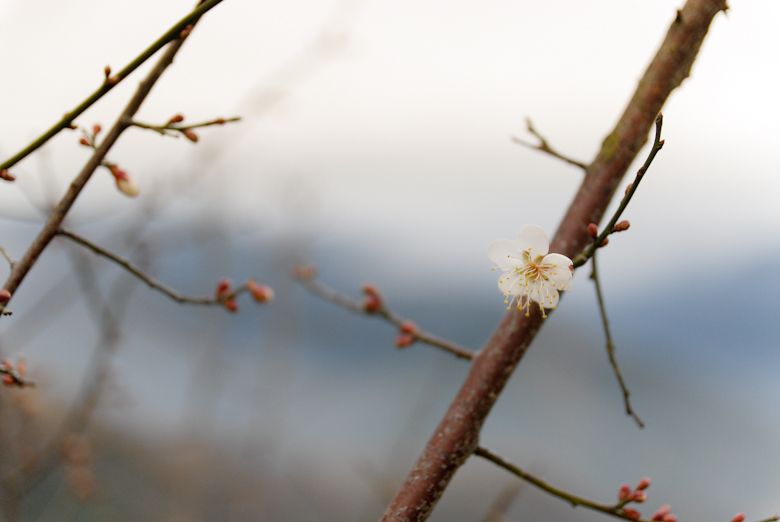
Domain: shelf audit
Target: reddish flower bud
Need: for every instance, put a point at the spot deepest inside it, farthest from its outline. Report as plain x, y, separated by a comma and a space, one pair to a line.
620, 227
371, 304
261, 294
624, 492
176, 119
8, 380
739, 517
633, 514
604, 243
231, 305
5, 296
85, 142
125, 183
669, 518
404, 340
224, 288
72, 126
107, 71
638, 496
185, 32
408, 327
662, 512
628, 188
643, 484
593, 230
4, 174
96, 128
190, 135
219, 121
113, 80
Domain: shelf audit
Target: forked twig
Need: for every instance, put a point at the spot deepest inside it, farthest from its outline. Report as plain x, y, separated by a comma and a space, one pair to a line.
545, 147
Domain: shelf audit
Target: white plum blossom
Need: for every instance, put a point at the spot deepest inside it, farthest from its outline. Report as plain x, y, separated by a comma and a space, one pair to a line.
530, 273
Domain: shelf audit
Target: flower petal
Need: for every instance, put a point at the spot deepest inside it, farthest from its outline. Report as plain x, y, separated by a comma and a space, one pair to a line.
507, 281
533, 238
545, 294
505, 254
559, 272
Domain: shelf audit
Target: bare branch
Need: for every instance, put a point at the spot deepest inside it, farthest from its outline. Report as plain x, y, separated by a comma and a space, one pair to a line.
52, 225
178, 31
356, 307
545, 147
170, 129
170, 292
610, 346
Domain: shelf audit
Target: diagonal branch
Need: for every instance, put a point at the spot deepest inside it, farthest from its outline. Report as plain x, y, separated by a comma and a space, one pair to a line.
457, 435
337, 298
545, 147
610, 346
172, 34
156, 285
57, 216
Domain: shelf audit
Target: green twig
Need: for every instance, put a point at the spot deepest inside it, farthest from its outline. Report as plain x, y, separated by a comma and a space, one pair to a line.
610, 346
66, 121
657, 145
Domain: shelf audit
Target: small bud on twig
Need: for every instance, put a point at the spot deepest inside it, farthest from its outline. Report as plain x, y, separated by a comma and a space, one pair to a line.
620, 227
190, 134
638, 496
185, 32
604, 243
85, 142
261, 294
593, 230
633, 514
231, 305
662, 512
372, 303
628, 188
224, 288
624, 492
404, 340
107, 71
5, 296
96, 129
4, 174
176, 119
408, 327
739, 517
645, 482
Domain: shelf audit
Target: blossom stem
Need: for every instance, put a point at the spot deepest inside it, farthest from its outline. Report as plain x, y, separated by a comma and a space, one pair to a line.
354, 306
610, 346
545, 147
657, 145
180, 128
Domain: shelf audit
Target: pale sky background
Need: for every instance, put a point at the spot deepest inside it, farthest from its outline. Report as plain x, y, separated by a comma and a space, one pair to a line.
385, 126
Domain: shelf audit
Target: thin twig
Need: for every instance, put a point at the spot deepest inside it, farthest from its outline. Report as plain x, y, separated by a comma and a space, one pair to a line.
7, 257
170, 292
172, 34
356, 307
545, 147
610, 346
164, 129
657, 145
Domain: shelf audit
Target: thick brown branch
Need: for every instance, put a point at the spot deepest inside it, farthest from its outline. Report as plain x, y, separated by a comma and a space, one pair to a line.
457, 435
356, 307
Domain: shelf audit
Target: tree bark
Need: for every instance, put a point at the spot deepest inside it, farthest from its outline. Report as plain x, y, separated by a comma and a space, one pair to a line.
457, 435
